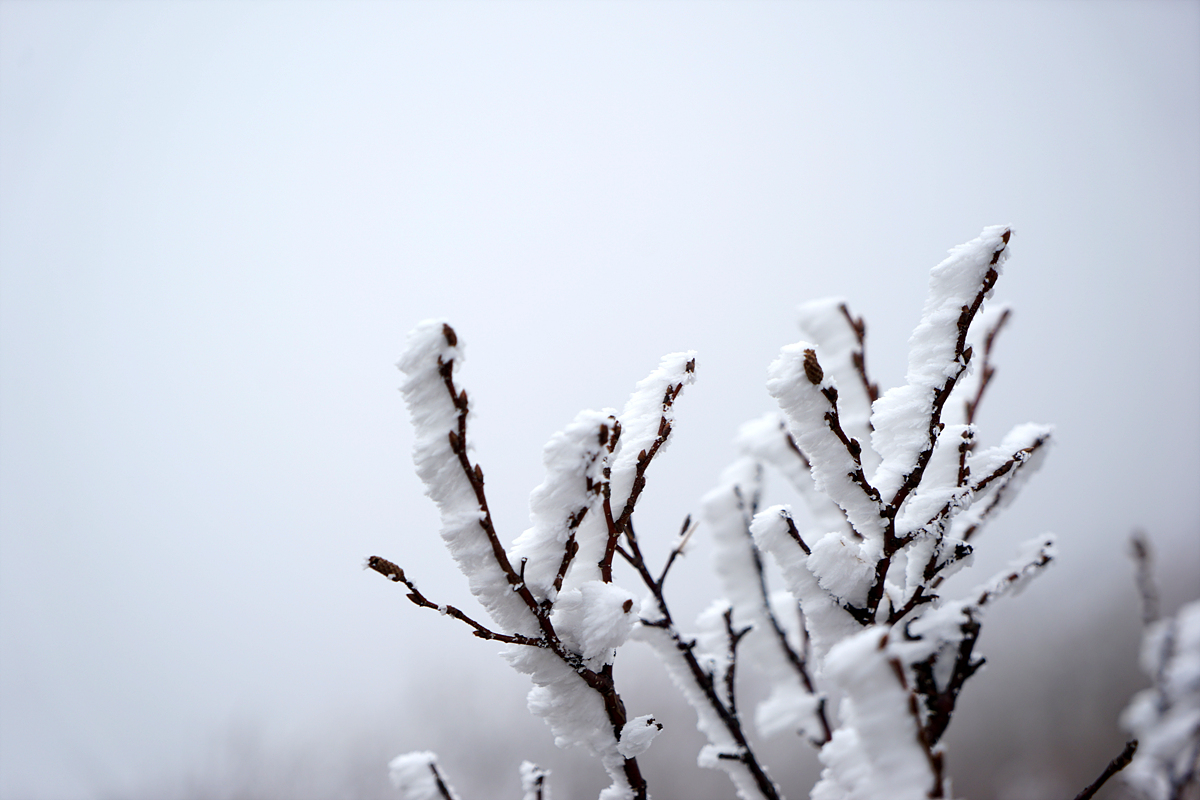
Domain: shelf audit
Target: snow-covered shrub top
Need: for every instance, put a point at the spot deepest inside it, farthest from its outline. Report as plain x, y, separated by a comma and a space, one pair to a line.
897, 489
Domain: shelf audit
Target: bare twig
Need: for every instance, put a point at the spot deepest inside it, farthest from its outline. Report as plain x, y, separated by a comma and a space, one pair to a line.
859, 356
1116, 765
987, 370
393, 573
685, 535
934, 757
733, 637
1143, 559
443, 789
940, 704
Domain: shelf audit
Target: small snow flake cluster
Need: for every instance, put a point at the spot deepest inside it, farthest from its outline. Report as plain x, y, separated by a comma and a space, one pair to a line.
860, 654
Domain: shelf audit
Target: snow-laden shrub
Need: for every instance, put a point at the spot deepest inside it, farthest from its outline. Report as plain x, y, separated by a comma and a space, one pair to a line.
898, 489
1165, 718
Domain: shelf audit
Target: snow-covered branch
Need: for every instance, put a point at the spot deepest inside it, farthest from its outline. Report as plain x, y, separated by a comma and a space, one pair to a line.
897, 487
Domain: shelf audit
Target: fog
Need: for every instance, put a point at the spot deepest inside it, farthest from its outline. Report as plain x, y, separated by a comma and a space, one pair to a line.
219, 220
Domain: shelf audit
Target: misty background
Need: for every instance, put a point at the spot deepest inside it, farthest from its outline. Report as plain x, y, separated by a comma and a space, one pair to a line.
219, 220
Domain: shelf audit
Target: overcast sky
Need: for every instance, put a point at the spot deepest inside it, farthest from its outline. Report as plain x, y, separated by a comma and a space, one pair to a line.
219, 220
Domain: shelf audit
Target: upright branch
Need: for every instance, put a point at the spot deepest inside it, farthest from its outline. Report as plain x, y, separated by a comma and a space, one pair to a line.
565, 654
986, 370
859, 356
649, 416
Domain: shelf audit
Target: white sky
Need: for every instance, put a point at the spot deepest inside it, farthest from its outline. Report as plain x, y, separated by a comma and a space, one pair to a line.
218, 221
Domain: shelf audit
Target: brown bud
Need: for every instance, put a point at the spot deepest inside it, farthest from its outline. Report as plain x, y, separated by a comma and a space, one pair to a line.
451, 336
627, 606
812, 369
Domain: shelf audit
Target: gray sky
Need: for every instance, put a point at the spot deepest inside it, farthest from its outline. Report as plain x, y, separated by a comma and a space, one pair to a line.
219, 220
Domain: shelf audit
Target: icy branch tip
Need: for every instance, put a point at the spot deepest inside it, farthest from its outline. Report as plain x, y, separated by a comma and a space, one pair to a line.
431, 340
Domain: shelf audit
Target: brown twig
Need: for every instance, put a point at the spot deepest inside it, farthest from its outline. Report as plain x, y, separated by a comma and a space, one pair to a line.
393, 573
798, 661
987, 370
599, 681
620, 525
443, 789
1116, 765
934, 757
940, 703
859, 357
1143, 559
733, 638
962, 356
703, 678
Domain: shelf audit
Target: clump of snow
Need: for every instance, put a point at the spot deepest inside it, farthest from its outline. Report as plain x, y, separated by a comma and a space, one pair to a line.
637, 734
843, 567
594, 620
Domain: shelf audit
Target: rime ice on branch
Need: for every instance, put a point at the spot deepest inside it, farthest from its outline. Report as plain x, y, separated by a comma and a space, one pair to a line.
897, 488
551, 597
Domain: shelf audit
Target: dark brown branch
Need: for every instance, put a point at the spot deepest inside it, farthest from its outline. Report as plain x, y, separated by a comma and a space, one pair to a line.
795, 534
474, 476
859, 357
685, 535
600, 682
934, 757
985, 376
619, 525
703, 678
940, 703
393, 573
815, 375
734, 638
1143, 559
798, 662
1116, 765
443, 789
962, 355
